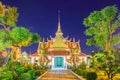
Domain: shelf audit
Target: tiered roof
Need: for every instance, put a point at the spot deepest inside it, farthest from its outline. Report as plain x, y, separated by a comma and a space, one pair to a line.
59, 45
59, 42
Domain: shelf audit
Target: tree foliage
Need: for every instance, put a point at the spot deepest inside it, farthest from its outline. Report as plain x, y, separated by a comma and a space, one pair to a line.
8, 19
5, 40
2, 9
20, 36
101, 25
11, 35
116, 39
23, 37
8, 16
117, 56
35, 38
106, 61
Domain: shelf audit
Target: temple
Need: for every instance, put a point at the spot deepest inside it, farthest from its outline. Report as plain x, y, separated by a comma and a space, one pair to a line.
59, 52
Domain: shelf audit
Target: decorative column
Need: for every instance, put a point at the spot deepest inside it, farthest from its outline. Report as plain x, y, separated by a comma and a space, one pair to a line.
52, 63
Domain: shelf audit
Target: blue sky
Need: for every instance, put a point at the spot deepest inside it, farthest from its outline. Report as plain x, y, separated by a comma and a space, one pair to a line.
41, 16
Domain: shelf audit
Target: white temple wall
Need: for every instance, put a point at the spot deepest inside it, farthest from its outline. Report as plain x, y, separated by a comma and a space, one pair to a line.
32, 60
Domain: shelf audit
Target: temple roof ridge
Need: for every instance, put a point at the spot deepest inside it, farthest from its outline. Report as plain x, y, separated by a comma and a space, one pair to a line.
59, 43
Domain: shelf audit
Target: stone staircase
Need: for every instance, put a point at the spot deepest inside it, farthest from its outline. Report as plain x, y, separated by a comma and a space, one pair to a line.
59, 75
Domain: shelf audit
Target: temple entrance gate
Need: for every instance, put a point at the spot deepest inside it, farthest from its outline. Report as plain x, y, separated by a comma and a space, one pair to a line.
58, 62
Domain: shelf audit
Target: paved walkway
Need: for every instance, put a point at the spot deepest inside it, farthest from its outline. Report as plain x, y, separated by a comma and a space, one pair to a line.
58, 75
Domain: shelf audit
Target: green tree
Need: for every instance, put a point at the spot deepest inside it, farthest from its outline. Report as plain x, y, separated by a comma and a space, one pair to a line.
5, 43
8, 16
8, 19
21, 37
95, 58
101, 25
13, 35
106, 61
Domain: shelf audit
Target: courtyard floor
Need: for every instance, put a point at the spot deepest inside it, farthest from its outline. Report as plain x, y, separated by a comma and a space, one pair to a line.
59, 75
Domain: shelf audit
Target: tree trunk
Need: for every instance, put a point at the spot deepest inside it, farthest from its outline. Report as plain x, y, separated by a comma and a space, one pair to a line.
15, 52
109, 41
5, 28
106, 45
110, 76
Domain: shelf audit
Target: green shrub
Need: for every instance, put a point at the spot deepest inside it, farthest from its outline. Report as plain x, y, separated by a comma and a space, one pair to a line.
91, 76
42, 71
84, 73
20, 69
5, 77
30, 66
25, 76
14, 64
82, 66
78, 71
32, 74
1, 69
118, 69
81, 72
37, 73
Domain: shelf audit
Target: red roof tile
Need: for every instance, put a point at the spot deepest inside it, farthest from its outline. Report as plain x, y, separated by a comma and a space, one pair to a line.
35, 55
83, 55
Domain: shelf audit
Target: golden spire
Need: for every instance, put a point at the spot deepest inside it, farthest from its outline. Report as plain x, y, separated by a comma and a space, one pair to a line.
59, 32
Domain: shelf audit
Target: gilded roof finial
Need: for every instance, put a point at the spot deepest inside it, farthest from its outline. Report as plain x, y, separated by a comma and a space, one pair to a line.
51, 37
43, 39
59, 26
59, 32
67, 37
70, 39
47, 39
73, 39
78, 41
